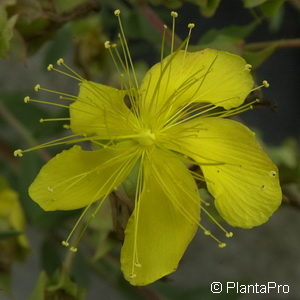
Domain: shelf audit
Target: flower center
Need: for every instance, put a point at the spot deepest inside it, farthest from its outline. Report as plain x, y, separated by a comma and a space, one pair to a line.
146, 138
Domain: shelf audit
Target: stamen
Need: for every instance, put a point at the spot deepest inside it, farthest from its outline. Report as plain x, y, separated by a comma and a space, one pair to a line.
65, 243
76, 77
28, 99
174, 15
248, 67
266, 83
163, 44
18, 153
190, 26
42, 120
61, 62
117, 13
37, 87
50, 67
73, 249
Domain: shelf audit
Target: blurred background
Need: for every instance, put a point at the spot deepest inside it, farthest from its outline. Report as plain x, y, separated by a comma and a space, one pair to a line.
35, 33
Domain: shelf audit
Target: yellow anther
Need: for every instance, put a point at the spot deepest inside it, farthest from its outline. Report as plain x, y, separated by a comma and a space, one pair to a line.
222, 245
18, 153
60, 61
114, 45
66, 126
37, 87
174, 14
248, 67
191, 25
117, 12
206, 232
26, 99
165, 26
41, 120
107, 44
73, 249
266, 83
65, 243
229, 234
50, 67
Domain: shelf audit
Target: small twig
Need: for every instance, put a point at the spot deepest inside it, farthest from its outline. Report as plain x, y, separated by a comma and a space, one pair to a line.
287, 43
22, 131
148, 293
157, 23
79, 11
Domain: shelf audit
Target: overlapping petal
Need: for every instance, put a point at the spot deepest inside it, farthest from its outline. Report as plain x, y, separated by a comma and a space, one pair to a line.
75, 178
239, 174
213, 76
101, 110
167, 219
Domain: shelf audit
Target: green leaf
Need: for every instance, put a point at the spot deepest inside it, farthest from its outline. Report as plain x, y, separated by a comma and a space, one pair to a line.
9, 234
256, 58
66, 5
38, 292
228, 38
6, 33
209, 7
253, 3
62, 287
271, 7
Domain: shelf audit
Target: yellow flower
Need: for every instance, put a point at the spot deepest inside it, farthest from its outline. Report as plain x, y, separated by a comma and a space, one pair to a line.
174, 118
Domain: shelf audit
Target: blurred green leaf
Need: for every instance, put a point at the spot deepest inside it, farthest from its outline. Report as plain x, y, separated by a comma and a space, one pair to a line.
62, 287
38, 292
285, 154
276, 20
271, 7
253, 3
228, 38
207, 7
18, 47
62, 6
6, 31
256, 58
9, 234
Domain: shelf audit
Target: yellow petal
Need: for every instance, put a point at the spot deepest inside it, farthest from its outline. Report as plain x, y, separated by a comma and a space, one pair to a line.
209, 75
75, 178
167, 219
100, 110
239, 174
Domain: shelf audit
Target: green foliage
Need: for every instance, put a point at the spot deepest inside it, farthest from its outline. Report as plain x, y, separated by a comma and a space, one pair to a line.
7, 25
58, 287
256, 58
40, 32
229, 38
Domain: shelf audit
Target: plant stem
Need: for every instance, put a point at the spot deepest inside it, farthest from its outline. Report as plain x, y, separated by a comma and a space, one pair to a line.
286, 43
